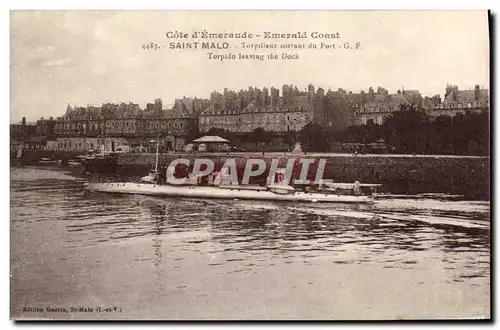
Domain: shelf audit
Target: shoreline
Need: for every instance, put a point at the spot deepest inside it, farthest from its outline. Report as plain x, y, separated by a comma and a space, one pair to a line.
398, 173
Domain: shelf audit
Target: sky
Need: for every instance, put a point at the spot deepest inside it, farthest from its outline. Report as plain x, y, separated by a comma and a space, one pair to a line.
91, 57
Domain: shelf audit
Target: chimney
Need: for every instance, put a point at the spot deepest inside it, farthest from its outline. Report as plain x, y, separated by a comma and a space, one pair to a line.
476, 93
449, 89
23, 121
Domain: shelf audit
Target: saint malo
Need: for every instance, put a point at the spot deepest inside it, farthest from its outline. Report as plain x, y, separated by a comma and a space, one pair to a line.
288, 109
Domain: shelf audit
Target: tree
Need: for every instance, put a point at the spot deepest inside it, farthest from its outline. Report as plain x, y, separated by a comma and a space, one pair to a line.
260, 135
313, 138
405, 129
193, 133
289, 138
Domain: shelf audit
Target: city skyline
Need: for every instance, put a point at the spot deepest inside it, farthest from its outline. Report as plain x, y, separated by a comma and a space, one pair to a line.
170, 106
102, 61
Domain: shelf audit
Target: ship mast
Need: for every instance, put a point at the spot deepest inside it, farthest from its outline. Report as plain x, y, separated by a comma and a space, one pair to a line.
157, 146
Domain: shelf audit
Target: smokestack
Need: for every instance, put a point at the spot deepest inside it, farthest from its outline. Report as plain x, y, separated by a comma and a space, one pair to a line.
476, 92
23, 121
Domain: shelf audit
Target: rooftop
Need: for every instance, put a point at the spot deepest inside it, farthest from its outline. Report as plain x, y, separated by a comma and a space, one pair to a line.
210, 139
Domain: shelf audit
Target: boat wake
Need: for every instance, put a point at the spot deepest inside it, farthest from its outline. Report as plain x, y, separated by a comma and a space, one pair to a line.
464, 214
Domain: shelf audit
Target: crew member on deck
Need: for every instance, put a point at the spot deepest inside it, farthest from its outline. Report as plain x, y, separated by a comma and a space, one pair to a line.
162, 175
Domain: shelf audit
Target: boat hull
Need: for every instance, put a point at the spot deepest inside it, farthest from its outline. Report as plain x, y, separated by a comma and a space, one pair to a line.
220, 193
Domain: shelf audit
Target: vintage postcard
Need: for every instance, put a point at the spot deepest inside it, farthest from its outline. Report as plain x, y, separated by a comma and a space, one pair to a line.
250, 165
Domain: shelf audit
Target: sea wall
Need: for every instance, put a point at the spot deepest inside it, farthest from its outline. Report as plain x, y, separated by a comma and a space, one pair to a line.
463, 175
32, 156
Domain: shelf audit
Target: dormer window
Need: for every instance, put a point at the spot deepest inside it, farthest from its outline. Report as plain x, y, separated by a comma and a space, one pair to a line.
469, 105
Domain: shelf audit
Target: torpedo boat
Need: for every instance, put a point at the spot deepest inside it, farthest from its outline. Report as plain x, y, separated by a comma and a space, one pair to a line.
220, 186
277, 191
225, 189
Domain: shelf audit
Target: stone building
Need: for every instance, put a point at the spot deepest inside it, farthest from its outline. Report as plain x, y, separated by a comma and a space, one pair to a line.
430, 103
45, 127
460, 101
84, 144
376, 106
173, 126
22, 131
247, 110
128, 121
107, 120
90, 127
339, 109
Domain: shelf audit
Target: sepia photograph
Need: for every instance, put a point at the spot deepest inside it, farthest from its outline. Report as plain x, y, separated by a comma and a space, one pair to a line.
313, 165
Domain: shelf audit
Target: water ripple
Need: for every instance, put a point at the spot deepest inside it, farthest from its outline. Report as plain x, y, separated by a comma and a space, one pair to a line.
238, 237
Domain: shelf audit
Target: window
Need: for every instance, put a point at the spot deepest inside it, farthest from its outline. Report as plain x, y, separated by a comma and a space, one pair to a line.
469, 105
460, 105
